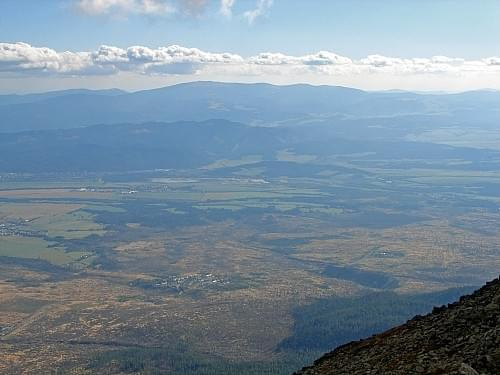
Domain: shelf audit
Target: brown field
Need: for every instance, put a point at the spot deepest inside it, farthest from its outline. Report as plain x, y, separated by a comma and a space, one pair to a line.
97, 286
237, 324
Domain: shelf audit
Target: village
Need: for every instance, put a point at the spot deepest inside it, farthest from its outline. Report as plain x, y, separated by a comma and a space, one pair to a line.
180, 284
16, 228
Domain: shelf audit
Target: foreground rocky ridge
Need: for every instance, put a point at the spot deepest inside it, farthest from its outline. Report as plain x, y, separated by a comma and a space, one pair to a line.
461, 338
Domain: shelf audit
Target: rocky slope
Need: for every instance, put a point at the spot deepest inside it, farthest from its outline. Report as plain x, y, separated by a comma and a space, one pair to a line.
461, 338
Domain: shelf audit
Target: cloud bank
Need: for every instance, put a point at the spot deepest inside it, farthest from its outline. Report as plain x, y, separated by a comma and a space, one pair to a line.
24, 59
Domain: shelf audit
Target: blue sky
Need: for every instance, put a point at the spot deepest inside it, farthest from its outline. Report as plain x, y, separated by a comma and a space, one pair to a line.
356, 29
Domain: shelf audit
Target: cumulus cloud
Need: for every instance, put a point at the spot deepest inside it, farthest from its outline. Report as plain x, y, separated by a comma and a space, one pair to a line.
18, 57
176, 59
21, 58
492, 61
261, 8
105, 7
320, 58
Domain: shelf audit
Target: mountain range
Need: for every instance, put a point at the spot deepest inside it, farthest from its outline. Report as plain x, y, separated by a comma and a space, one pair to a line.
192, 125
252, 104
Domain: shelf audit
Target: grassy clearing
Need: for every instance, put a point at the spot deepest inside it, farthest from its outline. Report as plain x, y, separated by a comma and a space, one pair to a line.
428, 173
55, 193
61, 182
72, 225
30, 211
36, 248
460, 137
224, 196
274, 204
103, 207
226, 163
285, 155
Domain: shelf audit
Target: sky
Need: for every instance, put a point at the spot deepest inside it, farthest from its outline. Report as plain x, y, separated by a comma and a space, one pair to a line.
445, 45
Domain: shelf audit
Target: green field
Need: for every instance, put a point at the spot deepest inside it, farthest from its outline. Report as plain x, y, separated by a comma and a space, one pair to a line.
36, 248
72, 225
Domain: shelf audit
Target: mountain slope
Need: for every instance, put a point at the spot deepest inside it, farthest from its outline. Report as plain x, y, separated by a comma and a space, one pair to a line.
196, 101
461, 338
190, 144
248, 103
134, 146
32, 98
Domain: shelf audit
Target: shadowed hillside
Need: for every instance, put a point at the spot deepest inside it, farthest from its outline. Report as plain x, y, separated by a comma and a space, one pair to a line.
461, 338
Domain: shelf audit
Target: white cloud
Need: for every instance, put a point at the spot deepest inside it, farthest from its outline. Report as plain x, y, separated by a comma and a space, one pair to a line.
109, 55
320, 58
193, 7
18, 57
18, 60
176, 59
121, 7
226, 8
492, 61
261, 8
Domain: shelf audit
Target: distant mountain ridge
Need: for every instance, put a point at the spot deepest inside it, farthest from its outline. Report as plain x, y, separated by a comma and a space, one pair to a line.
461, 338
193, 144
254, 104
31, 98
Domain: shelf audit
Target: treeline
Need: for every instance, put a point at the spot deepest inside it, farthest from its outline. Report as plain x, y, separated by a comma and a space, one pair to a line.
319, 327
179, 360
330, 322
